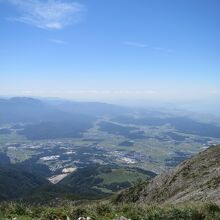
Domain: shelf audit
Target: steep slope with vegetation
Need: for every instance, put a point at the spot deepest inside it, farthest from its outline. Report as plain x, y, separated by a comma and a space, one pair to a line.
28, 182
15, 183
99, 181
196, 179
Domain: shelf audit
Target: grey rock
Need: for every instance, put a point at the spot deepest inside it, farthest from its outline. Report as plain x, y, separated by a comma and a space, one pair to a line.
195, 179
122, 218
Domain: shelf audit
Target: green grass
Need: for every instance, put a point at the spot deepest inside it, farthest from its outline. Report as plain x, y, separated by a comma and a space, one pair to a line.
121, 175
109, 211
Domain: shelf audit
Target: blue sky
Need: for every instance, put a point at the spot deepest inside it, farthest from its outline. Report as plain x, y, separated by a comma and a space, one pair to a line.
113, 50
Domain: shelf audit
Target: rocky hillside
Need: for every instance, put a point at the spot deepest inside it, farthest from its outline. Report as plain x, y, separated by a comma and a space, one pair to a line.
196, 179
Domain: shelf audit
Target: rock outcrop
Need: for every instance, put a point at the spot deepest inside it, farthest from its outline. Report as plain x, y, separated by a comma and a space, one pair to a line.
196, 179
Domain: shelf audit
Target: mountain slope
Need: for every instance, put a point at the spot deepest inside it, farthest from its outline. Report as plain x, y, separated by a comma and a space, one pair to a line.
196, 179
99, 181
16, 183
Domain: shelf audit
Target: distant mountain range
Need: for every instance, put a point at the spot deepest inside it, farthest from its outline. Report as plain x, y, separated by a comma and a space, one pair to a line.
44, 119
48, 120
29, 110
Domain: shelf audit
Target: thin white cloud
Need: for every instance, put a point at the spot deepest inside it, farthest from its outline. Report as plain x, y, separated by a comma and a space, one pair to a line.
57, 41
142, 45
135, 44
48, 14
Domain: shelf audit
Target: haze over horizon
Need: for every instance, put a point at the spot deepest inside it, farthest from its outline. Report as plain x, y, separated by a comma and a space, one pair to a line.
113, 51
